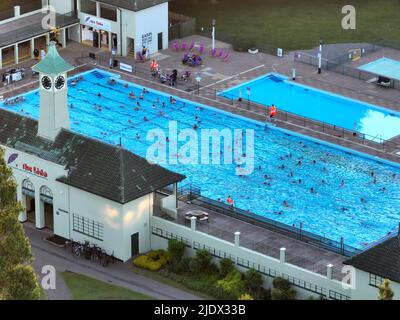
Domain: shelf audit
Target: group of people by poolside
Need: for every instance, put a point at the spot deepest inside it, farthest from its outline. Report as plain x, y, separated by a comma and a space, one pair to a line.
14, 101
75, 81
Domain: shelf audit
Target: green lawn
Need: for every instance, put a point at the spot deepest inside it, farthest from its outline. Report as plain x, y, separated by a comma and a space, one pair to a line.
295, 24
86, 288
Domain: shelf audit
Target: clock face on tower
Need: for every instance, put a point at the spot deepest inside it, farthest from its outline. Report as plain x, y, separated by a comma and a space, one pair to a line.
46, 82
60, 82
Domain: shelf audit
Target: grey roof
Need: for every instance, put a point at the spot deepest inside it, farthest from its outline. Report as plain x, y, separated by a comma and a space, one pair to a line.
108, 171
134, 5
382, 260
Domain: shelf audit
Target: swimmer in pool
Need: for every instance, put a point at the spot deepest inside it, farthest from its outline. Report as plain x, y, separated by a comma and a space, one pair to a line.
363, 200
285, 204
342, 183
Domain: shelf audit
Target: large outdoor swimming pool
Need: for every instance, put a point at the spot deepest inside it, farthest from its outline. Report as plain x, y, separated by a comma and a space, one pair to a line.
384, 67
375, 122
334, 211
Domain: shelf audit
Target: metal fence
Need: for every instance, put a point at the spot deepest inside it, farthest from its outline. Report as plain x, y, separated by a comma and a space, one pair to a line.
245, 263
181, 26
375, 142
240, 44
339, 64
194, 194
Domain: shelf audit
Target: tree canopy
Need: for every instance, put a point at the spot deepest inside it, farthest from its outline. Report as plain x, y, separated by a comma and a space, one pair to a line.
18, 280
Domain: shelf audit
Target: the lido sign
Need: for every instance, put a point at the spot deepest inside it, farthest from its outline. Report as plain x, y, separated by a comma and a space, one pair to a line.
26, 167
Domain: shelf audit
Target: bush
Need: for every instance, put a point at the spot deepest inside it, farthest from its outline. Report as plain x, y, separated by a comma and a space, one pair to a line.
232, 284
160, 255
153, 260
253, 281
226, 265
243, 44
176, 249
204, 258
194, 266
245, 296
148, 263
180, 266
282, 290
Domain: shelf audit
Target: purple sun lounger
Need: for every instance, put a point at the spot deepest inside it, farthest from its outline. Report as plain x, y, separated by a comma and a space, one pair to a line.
201, 49
183, 45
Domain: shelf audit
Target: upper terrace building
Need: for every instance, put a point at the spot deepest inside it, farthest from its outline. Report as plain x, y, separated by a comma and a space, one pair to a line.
121, 27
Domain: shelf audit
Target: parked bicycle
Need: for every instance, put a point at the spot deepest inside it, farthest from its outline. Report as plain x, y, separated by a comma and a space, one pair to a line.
91, 252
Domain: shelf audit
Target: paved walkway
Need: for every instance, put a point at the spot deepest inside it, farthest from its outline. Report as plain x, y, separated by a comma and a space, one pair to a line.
119, 273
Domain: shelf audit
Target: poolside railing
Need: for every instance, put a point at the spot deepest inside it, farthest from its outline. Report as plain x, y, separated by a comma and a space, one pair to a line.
375, 142
339, 65
194, 196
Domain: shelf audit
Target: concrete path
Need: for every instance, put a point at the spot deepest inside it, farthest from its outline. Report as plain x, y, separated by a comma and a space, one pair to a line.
118, 273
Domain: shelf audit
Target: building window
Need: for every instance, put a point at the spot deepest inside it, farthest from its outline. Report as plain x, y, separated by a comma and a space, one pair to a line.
375, 280
89, 7
88, 227
108, 12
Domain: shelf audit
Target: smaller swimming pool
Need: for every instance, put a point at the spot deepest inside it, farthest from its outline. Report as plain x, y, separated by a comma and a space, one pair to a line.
375, 122
384, 67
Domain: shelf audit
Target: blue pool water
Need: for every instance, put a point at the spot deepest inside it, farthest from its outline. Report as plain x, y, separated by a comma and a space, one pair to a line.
384, 67
333, 212
375, 122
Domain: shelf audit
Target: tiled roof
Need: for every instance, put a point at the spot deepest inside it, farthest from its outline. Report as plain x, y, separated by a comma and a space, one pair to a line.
96, 167
134, 5
382, 260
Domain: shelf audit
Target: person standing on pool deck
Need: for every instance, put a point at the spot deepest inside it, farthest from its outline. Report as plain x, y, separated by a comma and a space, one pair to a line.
230, 201
272, 112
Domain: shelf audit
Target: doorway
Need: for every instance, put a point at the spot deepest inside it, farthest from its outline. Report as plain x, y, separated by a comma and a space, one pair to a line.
160, 41
46, 203
135, 244
30, 209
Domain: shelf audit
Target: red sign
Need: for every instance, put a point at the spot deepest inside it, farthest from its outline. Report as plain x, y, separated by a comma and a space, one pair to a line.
37, 171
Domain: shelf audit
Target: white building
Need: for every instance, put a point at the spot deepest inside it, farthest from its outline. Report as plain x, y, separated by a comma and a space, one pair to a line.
122, 27
373, 266
82, 189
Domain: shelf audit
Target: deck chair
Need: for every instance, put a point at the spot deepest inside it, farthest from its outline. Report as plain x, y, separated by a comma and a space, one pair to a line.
183, 45
191, 46
214, 52
201, 49
175, 45
226, 56
220, 53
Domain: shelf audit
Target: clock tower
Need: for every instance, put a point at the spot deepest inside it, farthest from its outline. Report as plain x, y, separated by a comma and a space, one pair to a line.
53, 93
